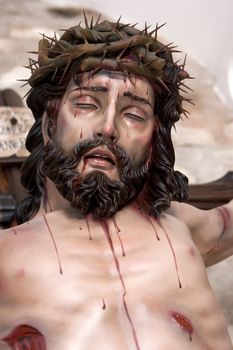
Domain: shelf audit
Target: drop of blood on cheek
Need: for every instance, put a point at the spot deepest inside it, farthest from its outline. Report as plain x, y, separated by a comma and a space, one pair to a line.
81, 133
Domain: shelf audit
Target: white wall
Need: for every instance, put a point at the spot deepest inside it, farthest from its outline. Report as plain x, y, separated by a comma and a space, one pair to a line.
202, 28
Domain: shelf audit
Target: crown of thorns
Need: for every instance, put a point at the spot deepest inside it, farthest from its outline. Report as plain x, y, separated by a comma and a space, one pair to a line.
113, 46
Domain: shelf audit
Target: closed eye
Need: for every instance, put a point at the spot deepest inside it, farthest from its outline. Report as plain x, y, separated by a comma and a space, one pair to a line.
86, 106
134, 116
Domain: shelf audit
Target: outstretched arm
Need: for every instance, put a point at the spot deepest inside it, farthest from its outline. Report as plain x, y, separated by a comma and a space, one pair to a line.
212, 230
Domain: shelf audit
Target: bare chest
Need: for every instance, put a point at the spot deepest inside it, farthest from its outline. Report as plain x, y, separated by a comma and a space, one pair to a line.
106, 279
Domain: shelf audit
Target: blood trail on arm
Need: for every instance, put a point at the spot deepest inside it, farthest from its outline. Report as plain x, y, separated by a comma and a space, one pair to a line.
226, 219
226, 225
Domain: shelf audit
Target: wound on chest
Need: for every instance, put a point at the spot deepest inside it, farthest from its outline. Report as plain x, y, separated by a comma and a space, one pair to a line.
183, 322
25, 337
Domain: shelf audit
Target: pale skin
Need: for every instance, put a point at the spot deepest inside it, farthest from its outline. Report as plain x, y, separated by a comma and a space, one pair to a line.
117, 290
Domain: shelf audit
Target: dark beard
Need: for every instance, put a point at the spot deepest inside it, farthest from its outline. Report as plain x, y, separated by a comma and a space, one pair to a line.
93, 193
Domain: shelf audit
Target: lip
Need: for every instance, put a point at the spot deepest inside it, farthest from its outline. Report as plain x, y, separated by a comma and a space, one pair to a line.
102, 153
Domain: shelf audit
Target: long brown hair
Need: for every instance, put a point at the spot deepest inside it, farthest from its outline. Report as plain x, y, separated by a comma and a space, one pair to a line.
121, 47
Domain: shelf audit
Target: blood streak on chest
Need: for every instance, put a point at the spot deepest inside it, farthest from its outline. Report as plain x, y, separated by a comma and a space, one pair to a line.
118, 234
183, 322
88, 227
106, 230
25, 337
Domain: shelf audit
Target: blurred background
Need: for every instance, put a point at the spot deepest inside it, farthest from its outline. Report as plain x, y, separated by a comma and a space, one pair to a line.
202, 29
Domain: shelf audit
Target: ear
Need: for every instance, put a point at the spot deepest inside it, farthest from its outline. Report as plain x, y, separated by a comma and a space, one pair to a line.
44, 127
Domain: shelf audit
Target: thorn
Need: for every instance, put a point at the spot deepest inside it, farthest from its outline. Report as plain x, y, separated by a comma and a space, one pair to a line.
65, 30
115, 29
59, 45
174, 51
21, 86
186, 86
184, 91
65, 70
176, 63
124, 50
149, 63
186, 113
33, 52
123, 26
97, 21
144, 30
47, 37
32, 61
134, 25
103, 38
84, 36
92, 73
184, 62
188, 100
129, 77
85, 18
22, 80
91, 24
118, 21
163, 84
54, 74
164, 47
27, 93
103, 56
157, 29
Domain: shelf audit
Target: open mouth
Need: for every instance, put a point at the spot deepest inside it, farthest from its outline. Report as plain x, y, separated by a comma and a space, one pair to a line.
101, 155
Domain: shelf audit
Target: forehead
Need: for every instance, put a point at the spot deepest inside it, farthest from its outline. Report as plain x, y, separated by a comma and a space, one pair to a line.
115, 80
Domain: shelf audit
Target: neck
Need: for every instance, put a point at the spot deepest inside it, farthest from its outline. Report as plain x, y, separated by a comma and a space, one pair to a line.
52, 200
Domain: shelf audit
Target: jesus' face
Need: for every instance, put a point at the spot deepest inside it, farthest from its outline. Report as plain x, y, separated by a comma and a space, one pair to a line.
107, 122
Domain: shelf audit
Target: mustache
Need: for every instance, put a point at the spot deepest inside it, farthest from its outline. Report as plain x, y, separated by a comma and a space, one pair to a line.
73, 157
93, 192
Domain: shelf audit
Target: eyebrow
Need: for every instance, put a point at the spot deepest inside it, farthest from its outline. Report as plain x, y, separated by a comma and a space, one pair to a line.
125, 93
136, 98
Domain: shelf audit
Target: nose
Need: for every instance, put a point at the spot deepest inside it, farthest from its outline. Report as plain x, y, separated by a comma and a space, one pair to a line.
107, 128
